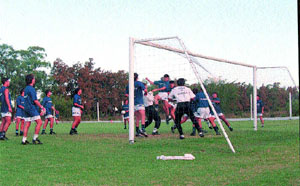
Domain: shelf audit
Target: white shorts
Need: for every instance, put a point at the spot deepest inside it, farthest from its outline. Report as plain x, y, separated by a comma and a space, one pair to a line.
174, 105
127, 117
76, 111
163, 96
259, 114
5, 114
202, 113
139, 107
34, 118
49, 116
20, 117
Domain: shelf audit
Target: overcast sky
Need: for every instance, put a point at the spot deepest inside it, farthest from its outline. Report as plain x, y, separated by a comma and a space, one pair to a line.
262, 33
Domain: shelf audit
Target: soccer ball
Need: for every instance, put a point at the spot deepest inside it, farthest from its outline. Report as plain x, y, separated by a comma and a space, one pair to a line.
123, 112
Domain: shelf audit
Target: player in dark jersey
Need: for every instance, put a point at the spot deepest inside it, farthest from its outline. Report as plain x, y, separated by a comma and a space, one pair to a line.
47, 103
20, 113
164, 89
139, 108
203, 111
216, 103
76, 110
260, 110
125, 110
6, 109
31, 110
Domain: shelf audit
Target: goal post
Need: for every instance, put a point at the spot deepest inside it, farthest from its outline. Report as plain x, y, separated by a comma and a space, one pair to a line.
184, 54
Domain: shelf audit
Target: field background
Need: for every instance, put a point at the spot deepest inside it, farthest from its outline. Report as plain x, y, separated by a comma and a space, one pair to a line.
101, 155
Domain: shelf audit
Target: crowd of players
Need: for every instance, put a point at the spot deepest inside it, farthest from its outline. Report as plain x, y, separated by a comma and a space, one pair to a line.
29, 109
179, 104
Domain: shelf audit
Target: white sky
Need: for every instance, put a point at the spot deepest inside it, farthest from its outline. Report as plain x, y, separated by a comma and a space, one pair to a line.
262, 33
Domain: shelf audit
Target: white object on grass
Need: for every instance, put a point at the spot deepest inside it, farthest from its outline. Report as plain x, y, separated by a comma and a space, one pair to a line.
185, 157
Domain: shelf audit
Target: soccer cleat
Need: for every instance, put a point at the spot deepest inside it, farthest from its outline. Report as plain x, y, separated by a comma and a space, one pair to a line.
21, 133
193, 133
230, 128
5, 138
51, 132
25, 143
17, 134
181, 137
262, 125
43, 132
75, 131
2, 138
173, 130
201, 134
125, 127
36, 141
155, 133
138, 135
142, 132
72, 132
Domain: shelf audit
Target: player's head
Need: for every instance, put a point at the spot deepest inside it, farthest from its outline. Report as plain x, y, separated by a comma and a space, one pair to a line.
30, 79
195, 90
257, 97
5, 82
78, 91
22, 92
180, 82
214, 95
48, 93
126, 102
136, 76
166, 77
172, 84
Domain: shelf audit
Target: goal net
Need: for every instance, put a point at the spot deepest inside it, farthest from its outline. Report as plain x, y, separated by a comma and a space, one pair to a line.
152, 58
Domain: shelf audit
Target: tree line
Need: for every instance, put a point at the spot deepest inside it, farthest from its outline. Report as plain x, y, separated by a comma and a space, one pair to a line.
108, 88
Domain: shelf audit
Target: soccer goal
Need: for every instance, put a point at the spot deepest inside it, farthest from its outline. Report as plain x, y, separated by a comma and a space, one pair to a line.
152, 58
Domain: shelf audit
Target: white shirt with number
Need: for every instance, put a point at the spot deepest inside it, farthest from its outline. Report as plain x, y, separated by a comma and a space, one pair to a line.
148, 99
181, 94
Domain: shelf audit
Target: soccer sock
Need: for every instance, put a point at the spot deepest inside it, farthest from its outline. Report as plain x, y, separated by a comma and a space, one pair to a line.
137, 129
43, 130
143, 127
194, 129
3, 133
35, 136
17, 131
24, 139
216, 128
51, 129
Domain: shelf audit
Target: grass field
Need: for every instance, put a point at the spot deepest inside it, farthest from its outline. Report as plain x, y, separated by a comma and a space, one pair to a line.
101, 155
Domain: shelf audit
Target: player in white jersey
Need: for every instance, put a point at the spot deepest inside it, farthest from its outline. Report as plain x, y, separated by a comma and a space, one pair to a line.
183, 96
151, 113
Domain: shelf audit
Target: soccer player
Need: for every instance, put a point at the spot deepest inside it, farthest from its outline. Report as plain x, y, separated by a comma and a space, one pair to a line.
183, 96
125, 108
163, 88
139, 108
76, 110
20, 113
6, 109
216, 103
56, 116
47, 103
151, 113
172, 104
203, 111
260, 110
31, 110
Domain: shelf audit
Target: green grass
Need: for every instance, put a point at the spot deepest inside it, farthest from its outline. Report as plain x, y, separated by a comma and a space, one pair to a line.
101, 155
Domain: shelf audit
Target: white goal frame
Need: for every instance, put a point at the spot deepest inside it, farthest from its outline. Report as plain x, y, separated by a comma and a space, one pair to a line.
187, 54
